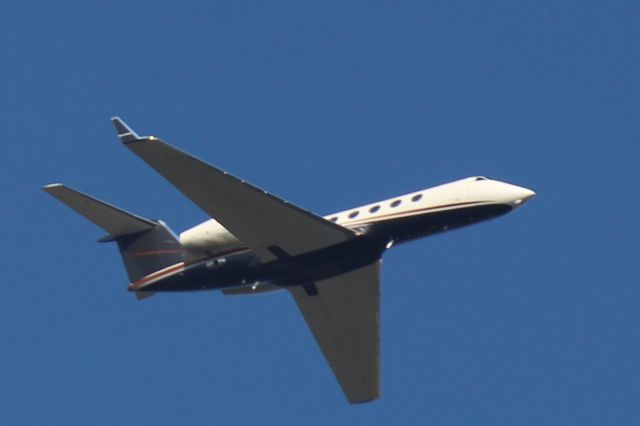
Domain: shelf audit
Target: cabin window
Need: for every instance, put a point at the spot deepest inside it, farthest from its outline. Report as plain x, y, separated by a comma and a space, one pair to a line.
416, 198
481, 178
374, 209
334, 219
396, 203
353, 214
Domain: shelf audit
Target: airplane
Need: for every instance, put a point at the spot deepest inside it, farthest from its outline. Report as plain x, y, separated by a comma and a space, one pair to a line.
256, 243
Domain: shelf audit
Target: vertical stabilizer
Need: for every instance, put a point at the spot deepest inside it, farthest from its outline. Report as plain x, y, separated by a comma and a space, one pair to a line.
149, 251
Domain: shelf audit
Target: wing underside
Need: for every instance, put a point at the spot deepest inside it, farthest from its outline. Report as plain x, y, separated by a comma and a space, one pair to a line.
270, 226
344, 319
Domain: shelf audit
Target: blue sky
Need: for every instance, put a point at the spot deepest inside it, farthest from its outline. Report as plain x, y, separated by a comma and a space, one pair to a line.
530, 319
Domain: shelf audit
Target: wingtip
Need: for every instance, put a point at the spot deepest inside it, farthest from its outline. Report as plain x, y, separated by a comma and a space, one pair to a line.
125, 133
52, 186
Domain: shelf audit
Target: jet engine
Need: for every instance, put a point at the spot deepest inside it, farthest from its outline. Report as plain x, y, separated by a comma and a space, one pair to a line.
209, 236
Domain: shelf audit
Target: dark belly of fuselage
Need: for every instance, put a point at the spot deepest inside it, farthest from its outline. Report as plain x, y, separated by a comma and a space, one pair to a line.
245, 268
420, 226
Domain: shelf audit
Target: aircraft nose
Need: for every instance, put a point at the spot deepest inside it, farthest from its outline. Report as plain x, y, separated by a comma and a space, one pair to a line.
522, 195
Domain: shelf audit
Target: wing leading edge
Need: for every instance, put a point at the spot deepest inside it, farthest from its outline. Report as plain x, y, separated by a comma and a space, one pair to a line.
262, 221
344, 317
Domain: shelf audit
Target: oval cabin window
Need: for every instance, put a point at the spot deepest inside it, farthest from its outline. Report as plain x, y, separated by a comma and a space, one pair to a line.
396, 203
374, 209
353, 214
416, 198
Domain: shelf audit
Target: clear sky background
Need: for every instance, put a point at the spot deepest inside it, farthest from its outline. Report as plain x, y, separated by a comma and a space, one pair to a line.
530, 319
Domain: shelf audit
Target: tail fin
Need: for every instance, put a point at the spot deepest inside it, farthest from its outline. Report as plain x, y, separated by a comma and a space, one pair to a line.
149, 251
146, 246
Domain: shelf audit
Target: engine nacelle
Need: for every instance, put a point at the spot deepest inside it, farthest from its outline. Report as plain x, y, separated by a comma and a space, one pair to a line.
208, 236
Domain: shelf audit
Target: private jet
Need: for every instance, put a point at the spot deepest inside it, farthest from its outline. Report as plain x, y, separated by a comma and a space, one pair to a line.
256, 242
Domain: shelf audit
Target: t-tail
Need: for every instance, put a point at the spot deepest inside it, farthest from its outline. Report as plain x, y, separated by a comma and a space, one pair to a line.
145, 245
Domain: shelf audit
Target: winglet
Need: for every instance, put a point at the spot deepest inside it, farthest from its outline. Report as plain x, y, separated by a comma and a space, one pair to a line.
125, 133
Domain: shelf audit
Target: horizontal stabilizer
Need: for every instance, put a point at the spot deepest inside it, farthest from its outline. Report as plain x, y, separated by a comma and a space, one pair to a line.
115, 221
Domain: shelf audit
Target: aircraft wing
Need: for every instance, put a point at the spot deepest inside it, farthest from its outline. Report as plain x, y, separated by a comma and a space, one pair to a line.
344, 318
270, 226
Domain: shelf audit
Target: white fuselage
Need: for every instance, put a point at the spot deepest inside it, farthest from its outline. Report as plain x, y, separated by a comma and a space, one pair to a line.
464, 193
